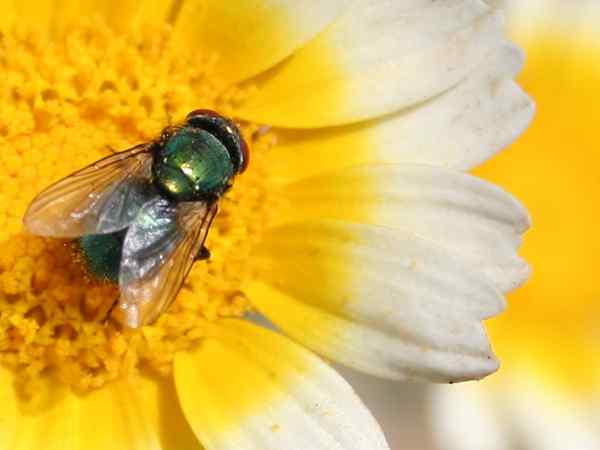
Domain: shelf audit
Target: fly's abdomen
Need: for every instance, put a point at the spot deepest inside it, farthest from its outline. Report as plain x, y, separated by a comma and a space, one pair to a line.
101, 254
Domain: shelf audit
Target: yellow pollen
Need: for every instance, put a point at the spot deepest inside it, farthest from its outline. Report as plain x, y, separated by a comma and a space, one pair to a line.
63, 105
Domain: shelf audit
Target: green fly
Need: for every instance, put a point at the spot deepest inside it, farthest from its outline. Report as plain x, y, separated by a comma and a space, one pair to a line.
141, 216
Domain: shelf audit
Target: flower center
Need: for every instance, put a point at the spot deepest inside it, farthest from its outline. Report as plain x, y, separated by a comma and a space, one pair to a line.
64, 105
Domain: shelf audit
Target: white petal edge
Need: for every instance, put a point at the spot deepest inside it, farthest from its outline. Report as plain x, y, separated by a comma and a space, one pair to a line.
379, 57
303, 403
459, 129
386, 303
474, 219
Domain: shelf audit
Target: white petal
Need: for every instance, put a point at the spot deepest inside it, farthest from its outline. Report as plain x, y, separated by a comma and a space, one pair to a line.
458, 129
250, 36
547, 419
463, 418
379, 57
578, 20
402, 409
526, 414
472, 218
252, 389
387, 303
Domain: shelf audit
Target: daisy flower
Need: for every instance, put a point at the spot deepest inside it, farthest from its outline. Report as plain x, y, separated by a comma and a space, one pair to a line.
547, 394
353, 229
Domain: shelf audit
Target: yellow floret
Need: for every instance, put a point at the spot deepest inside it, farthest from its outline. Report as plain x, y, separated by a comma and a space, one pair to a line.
64, 105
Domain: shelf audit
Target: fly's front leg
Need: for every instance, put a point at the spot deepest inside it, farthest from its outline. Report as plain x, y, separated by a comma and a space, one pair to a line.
203, 254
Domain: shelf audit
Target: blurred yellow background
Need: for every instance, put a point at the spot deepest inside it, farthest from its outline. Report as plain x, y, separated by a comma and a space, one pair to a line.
554, 318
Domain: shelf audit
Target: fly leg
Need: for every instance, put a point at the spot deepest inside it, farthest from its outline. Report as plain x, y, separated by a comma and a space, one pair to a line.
110, 310
203, 254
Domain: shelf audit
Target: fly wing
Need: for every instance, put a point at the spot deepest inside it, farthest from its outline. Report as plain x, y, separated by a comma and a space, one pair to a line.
158, 252
103, 197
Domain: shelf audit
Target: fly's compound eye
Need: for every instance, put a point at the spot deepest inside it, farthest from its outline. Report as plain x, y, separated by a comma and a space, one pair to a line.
245, 155
225, 131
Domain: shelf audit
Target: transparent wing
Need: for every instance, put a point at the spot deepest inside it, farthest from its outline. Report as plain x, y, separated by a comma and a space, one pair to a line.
101, 198
158, 252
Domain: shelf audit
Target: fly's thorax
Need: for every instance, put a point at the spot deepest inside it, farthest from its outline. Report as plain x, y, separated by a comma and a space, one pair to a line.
192, 164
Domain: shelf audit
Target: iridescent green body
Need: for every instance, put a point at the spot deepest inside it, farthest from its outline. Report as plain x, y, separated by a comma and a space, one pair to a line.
101, 254
192, 165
